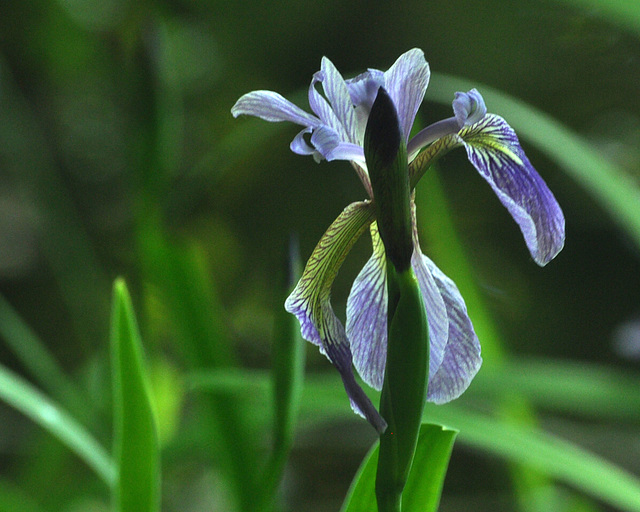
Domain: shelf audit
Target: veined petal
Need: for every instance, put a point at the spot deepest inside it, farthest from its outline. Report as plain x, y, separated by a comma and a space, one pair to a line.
322, 108
271, 106
494, 150
310, 301
348, 151
462, 359
363, 90
367, 316
364, 87
406, 82
299, 144
337, 93
435, 308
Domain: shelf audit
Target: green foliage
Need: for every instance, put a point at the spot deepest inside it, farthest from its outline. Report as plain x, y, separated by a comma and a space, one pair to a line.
136, 448
424, 485
118, 156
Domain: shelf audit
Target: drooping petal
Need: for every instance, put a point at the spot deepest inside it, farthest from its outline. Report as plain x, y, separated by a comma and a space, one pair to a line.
494, 150
299, 145
462, 359
367, 316
271, 106
310, 301
436, 310
406, 82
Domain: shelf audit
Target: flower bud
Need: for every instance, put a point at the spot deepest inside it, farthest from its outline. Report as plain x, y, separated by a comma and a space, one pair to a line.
385, 152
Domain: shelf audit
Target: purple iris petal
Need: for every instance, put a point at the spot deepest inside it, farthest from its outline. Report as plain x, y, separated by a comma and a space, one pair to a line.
494, 150
335, 88
271, 106
406, 82
469, 107
322, 108
435, 308
299, 145
367, 315
462, 358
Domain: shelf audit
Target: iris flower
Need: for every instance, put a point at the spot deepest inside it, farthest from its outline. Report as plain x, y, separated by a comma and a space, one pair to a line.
335, 132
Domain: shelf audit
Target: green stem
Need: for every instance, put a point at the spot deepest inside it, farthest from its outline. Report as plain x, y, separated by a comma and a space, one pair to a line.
405, 386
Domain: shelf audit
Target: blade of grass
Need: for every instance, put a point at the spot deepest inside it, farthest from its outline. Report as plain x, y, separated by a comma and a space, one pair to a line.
568, 387
38, 360
624, 13
548, 454
287, 378
135, 431
21, 395
323, 399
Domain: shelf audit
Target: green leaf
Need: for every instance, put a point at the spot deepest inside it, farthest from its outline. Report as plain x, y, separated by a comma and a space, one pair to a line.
551, 455
589, 390
405, 386
135, 432
38, 360
625, 13
424, 485
287, 378
21, 395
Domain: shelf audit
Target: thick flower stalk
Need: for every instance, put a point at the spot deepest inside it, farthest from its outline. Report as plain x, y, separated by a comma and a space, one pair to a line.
336, 131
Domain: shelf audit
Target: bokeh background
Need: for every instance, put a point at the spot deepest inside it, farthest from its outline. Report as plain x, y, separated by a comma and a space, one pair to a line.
119, 157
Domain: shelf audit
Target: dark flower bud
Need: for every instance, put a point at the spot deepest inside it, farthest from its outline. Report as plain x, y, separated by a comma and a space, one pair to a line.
385, 151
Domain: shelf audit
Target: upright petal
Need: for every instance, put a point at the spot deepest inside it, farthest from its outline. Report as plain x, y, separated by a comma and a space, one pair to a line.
461, 358
406, 82
310, 301
494, 150
337, 93
271, 106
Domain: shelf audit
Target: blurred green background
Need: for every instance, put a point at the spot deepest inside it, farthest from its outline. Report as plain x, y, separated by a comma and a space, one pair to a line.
119, 156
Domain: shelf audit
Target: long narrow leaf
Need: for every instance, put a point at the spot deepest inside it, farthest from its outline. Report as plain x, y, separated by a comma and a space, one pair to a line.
579, 388
424, 485
136, 437
21, 395
551, 455
36, 357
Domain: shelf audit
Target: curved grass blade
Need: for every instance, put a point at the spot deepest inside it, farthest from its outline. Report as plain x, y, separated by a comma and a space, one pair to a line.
551, 455
136, 438
21, 395
287, 377
624, 13
588, 390
37, 358
424, 484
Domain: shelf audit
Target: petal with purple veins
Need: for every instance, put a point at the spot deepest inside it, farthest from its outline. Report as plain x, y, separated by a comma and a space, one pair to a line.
494, 150
406, 82
367, 316
462, 359
310, 301
271, 106
335, 88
